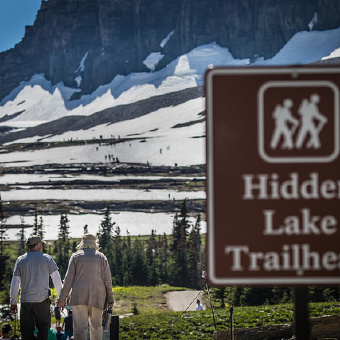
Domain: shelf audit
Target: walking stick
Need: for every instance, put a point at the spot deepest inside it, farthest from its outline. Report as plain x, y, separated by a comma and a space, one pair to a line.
15, 323
204, 280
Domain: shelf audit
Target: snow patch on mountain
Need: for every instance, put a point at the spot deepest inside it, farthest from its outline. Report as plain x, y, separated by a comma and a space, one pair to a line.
44, 102
305, 48
167, 38
184, 72
40, 101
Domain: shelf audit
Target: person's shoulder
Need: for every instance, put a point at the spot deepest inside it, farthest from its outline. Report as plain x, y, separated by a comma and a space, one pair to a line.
20, 258
79, 252
24, 256
100, 254
47, 256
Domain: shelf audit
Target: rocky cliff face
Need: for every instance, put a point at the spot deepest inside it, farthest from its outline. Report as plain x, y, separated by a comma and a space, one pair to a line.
115, 36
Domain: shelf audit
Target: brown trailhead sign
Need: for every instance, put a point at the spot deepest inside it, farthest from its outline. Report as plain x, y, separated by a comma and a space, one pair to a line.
273, 175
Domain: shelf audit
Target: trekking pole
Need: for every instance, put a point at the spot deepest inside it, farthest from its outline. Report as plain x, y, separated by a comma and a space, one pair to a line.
204, 280
15, 323
211, 305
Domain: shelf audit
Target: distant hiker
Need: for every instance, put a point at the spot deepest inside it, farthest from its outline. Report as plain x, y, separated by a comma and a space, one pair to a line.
89, 277
285, 125
199, 307
57, 315
32, 271
6, 331
59, 334
51, 334
67, 326
312, 123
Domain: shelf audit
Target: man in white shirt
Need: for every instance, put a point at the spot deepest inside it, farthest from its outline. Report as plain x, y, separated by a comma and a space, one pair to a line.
32, 271
199, 307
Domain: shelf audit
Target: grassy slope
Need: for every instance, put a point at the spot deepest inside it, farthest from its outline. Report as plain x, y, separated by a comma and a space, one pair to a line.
200, 325
155, 321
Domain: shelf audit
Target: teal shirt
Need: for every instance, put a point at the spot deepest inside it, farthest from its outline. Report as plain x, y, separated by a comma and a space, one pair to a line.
51, 334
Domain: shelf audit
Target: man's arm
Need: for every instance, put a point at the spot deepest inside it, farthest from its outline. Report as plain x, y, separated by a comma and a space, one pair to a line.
14, 291
57, 281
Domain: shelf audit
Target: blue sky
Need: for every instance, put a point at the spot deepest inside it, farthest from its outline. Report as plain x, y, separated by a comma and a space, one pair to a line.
14, 16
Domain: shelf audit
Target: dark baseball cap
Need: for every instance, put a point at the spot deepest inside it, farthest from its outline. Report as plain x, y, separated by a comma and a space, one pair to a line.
34, 240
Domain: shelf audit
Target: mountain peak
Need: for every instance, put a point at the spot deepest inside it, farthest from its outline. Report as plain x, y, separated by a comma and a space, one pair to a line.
117, 36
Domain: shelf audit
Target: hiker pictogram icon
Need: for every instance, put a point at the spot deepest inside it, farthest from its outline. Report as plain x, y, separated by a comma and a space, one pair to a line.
298, 121
291, 132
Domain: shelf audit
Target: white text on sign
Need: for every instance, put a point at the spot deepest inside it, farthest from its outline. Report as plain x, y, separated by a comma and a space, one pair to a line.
292, 257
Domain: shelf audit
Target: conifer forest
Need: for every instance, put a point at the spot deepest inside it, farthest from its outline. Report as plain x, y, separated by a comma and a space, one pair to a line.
148, 260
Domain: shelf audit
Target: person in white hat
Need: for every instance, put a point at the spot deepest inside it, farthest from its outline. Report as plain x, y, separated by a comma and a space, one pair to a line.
32, 271
89, 277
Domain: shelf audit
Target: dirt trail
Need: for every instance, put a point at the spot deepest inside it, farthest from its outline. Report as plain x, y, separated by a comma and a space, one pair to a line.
184, 300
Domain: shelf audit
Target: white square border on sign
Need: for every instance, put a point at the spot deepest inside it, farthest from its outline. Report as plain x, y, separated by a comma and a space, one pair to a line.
298, 159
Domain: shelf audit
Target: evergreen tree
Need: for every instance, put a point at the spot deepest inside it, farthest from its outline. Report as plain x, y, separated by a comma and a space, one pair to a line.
255, 296
74, 246
152, 259
195, 254
164, 255
64, 228
176, 233
6, 274
63, 245
38, 227
220, 294
41, 231
180, 269
105, 236
21, 235
35, 228
127, 261
235, 295
118, 274
139, 265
